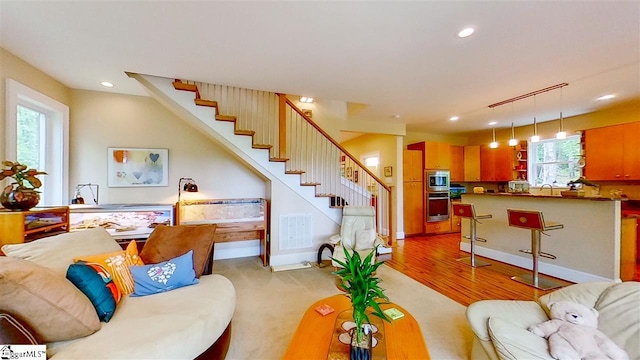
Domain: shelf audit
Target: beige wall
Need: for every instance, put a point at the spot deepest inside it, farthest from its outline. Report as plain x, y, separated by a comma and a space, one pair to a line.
100, 120
12, 67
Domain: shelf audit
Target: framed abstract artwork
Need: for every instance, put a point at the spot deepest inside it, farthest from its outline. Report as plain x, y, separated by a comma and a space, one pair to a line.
135, 167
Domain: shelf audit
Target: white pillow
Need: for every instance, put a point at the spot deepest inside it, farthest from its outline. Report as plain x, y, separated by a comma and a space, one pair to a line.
365, 239
57, 252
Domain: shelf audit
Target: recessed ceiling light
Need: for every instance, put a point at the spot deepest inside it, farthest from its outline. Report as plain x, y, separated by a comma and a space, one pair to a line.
454, 118
606, 97
465, 32
305, 99
106, 84
493, 123
396, 116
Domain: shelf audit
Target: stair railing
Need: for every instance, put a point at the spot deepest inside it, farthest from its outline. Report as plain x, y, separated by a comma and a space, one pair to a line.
278, 125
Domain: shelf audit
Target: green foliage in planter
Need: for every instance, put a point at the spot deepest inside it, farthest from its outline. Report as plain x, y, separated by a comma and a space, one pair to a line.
361, 286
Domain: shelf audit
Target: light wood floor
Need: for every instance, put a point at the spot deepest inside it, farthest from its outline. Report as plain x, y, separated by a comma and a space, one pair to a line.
431, 260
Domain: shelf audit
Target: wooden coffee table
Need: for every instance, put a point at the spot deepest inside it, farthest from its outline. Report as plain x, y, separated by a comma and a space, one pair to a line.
312, 339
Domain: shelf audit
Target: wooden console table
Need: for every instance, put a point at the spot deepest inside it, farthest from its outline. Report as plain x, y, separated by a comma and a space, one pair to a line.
236, 219
24, 226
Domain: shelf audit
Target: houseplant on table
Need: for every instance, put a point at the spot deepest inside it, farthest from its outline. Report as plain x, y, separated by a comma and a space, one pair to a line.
361, 285
21, 194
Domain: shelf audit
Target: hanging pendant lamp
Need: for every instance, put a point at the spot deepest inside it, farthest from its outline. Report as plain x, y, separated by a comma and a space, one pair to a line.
561, 134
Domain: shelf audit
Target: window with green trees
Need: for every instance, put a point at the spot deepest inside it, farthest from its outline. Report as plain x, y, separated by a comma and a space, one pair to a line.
554, 161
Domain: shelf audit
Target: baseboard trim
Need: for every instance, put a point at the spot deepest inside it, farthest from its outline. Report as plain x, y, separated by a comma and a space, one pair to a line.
544, 268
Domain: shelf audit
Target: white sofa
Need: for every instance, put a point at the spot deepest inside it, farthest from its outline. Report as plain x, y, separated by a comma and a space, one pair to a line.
500, 326
186, 323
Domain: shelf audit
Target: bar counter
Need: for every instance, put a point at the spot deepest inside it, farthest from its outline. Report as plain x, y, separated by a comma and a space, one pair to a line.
587, 248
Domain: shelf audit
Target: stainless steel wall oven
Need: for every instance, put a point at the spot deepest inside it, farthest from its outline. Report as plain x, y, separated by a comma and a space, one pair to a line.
437, 195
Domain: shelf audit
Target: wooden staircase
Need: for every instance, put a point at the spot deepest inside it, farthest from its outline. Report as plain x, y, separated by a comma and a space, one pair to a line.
286, 142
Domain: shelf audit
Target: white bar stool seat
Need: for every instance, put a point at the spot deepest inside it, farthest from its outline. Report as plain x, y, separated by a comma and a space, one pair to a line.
534, 221
468, 211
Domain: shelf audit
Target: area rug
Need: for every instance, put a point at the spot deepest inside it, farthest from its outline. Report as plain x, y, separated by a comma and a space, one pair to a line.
270, 305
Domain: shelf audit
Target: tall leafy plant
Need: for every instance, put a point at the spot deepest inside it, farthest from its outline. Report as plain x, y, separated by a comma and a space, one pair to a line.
362, 287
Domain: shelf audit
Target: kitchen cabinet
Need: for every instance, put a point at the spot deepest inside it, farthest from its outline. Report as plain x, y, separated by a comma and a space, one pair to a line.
413, 207
457, 163
24, 226
436, 155
628, 248
472, 163
413, 191
611, 152
412, 169
438, 227
496, 164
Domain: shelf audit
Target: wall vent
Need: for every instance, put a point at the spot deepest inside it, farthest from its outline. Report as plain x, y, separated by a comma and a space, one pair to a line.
295, 231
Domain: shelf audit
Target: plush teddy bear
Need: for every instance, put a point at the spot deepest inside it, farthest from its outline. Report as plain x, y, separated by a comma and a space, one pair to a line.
573, 334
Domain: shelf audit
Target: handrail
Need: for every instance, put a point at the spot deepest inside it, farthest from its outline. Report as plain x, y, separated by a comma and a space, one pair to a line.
334, 142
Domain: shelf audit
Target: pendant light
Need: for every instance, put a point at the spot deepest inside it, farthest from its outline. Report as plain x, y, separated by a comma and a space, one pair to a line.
494, 143
535, 138
513, 141
561, 134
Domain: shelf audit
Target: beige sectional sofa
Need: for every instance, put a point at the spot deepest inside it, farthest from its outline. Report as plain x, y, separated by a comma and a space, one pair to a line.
500, 326
185, 323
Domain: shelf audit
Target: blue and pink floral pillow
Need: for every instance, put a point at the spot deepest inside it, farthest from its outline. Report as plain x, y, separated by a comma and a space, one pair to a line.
165, 276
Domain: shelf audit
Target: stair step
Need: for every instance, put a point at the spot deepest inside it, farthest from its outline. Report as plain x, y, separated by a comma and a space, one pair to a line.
325, 195
209, 103
262, 146
279, 159
226, 118
293, 172
310, 184
245, 132
179, 85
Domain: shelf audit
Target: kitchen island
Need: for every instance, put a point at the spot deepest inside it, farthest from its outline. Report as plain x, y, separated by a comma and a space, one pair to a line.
588, 248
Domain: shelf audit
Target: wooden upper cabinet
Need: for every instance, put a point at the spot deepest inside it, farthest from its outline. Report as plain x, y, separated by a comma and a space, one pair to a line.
472, 163
611, 152
437, 155
412, 169
496, 164
457, 163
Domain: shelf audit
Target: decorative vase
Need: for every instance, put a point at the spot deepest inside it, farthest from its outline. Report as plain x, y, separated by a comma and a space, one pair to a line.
20, 200
361, 350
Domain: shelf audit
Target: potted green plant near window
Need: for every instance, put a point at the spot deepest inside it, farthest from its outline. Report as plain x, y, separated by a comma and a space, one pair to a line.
360, 284
21, 194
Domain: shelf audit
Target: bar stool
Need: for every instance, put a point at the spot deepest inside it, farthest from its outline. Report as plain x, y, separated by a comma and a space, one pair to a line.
468, 211
534, 221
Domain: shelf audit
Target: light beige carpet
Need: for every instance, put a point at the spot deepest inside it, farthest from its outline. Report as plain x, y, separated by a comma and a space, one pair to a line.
270, 305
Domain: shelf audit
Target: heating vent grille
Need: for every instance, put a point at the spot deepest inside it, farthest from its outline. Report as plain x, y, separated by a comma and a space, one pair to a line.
295, 231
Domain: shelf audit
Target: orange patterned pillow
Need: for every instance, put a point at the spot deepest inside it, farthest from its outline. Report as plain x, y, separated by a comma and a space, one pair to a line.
117, 263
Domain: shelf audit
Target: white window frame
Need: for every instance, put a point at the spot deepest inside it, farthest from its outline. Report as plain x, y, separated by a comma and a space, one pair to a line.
55, 185
531, 164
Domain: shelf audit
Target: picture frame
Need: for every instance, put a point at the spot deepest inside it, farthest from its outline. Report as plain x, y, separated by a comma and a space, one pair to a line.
355, 176
137, 167
349, 172
308, 113
388, 171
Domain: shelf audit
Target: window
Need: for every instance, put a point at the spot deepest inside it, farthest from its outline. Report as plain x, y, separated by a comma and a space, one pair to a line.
37, 136
554, 161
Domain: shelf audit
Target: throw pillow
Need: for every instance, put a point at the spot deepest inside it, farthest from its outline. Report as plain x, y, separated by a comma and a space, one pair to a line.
168, 242
15, 332
165, 276
57, 252
95, 282
365, 239
117, 264
54, 308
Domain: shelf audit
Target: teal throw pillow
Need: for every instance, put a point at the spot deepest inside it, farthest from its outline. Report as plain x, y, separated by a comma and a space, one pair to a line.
165, 276
96, 283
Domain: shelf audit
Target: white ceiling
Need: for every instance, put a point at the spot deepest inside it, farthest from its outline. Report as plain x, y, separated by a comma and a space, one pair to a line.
396, 57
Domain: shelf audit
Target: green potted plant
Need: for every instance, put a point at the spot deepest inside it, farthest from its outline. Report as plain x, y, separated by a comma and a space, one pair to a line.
21, 194
360, 284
